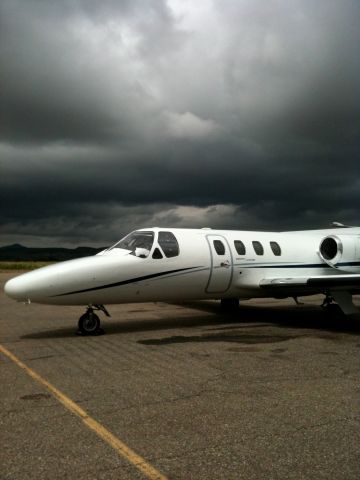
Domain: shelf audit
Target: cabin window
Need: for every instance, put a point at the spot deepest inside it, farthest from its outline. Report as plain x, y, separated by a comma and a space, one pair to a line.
259, 249
240, 247
219, 247
169, 244
275, 247
137, 240
157, 254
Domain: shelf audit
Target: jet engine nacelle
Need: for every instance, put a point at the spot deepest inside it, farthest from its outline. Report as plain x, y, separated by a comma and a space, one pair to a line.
341, 252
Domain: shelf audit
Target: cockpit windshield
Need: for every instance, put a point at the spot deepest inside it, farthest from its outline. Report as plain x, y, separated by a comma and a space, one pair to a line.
139, 243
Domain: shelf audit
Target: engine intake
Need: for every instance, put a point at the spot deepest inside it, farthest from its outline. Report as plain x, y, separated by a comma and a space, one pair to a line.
341, 252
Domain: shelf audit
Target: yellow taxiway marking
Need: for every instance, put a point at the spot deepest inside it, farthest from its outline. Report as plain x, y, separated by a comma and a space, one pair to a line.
148, 470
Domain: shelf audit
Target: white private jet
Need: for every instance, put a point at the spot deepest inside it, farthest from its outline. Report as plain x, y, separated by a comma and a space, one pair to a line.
168, 264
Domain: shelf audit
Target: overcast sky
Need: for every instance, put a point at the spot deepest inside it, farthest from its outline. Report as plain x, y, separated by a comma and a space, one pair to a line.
122, 114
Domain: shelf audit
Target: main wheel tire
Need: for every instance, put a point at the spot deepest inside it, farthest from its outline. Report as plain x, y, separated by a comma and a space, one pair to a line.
334, 310
89, 323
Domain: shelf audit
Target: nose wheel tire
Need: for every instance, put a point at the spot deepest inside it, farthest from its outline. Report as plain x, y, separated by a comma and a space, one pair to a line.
89, 323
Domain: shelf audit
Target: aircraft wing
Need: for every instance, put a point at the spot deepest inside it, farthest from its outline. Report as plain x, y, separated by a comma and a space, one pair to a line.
336, 282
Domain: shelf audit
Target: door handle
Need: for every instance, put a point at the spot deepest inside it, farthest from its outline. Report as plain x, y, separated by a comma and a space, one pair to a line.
225, 264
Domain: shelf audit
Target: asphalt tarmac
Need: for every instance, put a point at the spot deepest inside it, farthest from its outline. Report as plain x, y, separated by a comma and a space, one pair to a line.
272, 392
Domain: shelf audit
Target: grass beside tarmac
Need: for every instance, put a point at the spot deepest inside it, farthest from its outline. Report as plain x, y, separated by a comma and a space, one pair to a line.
23, 265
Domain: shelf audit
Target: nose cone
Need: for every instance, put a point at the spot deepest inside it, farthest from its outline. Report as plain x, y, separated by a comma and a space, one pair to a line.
47, 284
31, 286
51, 284
17, 289
34, 286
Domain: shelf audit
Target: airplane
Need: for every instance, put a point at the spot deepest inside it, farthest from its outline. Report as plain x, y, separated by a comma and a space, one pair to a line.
169, 265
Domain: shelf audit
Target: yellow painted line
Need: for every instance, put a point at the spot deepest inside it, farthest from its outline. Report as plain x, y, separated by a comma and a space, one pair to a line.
148, 470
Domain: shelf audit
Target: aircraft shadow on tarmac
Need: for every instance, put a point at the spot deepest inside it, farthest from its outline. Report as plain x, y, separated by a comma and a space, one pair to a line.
250, 324
255, 325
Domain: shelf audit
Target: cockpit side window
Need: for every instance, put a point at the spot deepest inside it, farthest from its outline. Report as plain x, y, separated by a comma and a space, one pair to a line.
139, 243
169, 244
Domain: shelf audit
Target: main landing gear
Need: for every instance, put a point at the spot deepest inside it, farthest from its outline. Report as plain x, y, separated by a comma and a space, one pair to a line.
330, 306
89, 322
344, 302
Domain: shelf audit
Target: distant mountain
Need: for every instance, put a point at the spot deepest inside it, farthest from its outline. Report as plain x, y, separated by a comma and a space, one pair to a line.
17, 252
15, 246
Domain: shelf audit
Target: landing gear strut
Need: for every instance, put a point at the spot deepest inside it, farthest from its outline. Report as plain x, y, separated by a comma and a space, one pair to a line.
89, 322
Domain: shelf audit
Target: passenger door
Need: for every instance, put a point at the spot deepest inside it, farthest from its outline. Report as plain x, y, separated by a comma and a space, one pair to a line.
221, 270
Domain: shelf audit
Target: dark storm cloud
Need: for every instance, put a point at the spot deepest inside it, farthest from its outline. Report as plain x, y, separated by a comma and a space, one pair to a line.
121, 114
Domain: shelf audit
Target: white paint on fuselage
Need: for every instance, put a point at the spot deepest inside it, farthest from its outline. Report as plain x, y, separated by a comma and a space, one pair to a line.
198, 272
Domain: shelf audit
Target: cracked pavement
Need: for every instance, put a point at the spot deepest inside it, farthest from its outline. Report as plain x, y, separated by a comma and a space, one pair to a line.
272, 391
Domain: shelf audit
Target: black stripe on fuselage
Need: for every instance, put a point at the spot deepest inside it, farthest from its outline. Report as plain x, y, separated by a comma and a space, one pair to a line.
309, 265
127, 282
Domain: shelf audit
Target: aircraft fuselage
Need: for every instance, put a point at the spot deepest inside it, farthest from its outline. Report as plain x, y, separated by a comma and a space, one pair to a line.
165, 264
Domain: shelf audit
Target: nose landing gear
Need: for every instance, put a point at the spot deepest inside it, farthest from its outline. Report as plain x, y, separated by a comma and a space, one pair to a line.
89, 322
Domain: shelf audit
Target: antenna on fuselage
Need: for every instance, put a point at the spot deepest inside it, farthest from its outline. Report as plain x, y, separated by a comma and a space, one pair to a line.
339, 225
